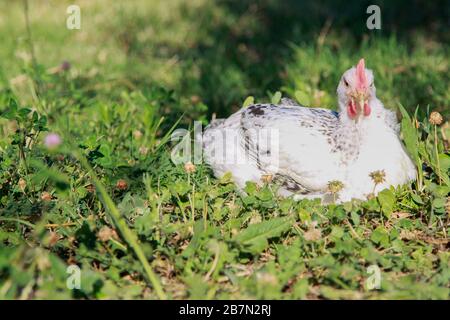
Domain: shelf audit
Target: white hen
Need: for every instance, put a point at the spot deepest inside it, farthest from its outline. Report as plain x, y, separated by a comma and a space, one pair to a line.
304, 149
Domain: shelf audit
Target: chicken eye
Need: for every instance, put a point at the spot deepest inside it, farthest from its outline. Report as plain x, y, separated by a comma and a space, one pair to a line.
345, 82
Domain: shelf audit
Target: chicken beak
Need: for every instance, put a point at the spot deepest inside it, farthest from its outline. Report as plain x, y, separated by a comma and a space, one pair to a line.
361, 102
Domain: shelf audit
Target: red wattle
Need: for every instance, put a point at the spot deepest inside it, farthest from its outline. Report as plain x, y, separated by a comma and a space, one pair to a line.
351, 109
367, 109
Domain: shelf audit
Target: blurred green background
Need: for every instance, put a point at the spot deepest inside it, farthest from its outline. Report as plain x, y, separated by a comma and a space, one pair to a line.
212, 54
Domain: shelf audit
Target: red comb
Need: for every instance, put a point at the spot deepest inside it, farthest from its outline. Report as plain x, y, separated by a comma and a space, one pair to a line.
361, 80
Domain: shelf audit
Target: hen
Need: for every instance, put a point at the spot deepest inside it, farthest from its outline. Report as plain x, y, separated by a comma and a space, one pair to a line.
305, 149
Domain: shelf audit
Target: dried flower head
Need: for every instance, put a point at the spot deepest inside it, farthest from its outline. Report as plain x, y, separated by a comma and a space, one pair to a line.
195, 99
121, 184
378, 176
137, 134
312, 234
52, 140
256, 218
106, 233
65, 65
436, 118
189, 167
335, 186
267, 178
143, 150
46, 196
22, 184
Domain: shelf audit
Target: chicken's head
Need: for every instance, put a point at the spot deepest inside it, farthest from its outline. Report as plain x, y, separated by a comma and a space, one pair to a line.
355, 91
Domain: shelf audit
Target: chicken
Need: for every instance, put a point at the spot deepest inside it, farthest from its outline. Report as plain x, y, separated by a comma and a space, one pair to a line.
303, 149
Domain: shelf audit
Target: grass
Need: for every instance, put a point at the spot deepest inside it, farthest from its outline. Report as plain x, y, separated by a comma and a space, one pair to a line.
110, 200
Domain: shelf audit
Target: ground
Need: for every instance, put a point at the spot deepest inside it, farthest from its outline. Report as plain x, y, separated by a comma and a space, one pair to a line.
109, 200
